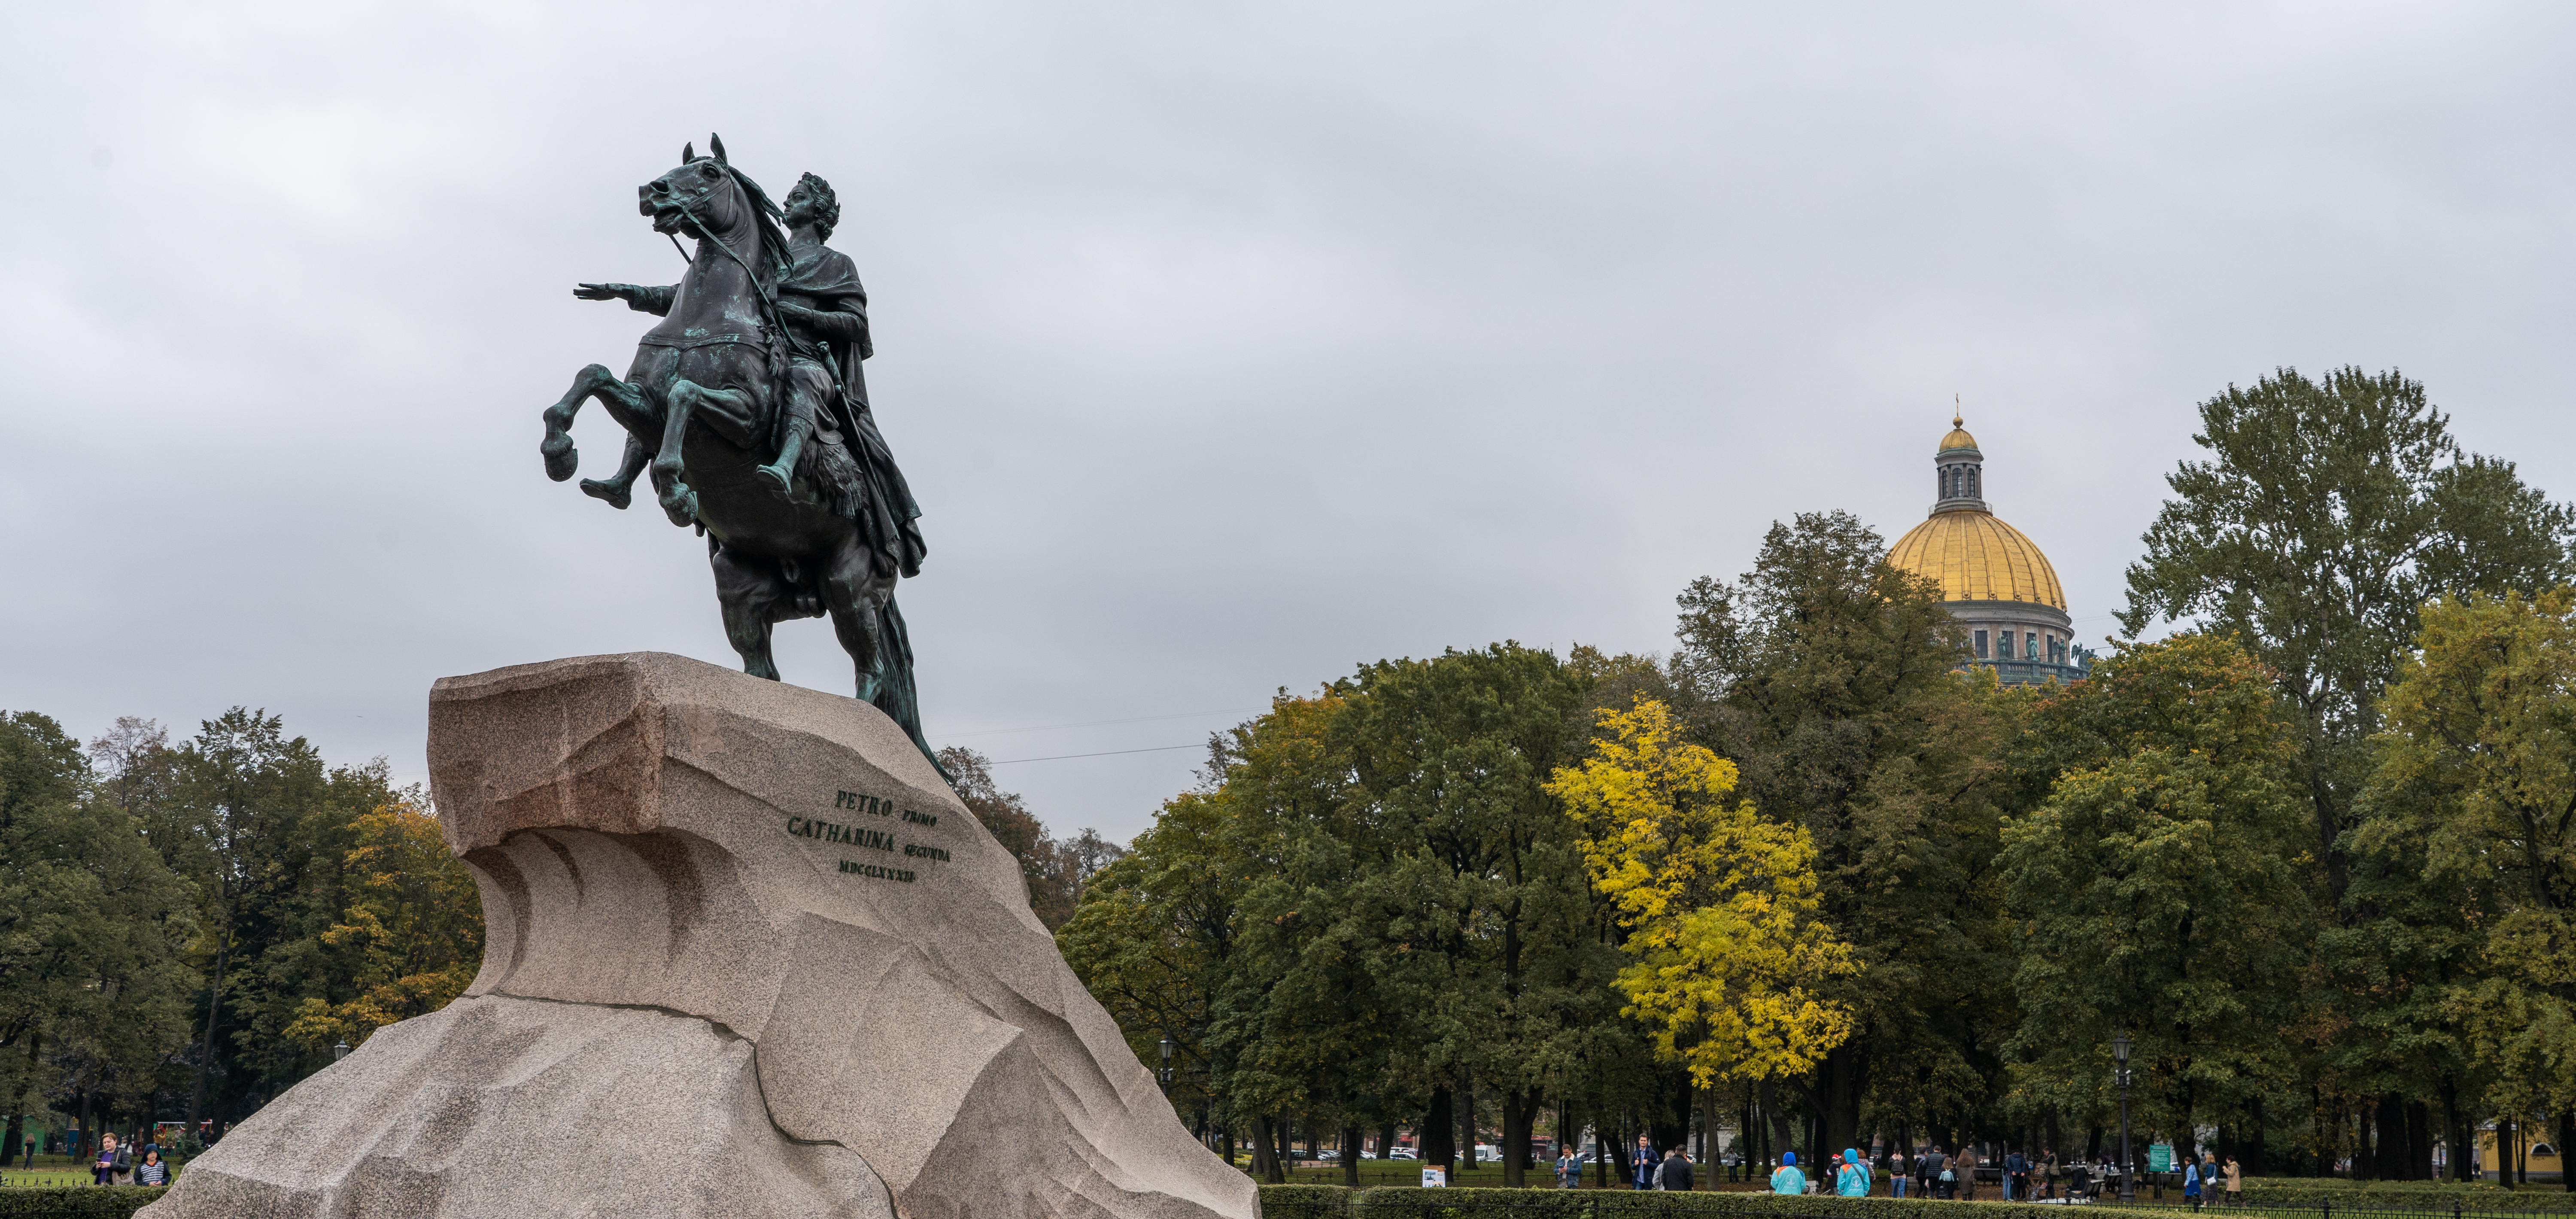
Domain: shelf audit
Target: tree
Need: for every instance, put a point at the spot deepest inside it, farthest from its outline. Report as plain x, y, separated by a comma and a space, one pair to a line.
91, 923
1153, 936
414, 923
1831, 680
2477, 783
243, 802
2157, 888
1495, 949
2328, 513
1720, 905
1055, 870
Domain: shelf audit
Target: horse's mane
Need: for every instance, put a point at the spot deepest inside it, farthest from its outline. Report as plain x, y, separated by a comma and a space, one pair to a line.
764, 213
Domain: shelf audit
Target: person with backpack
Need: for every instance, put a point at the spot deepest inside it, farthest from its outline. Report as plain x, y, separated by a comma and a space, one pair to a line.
1896, 1173
152, 1171
1788, 1180
1853, 1180
1645, 1166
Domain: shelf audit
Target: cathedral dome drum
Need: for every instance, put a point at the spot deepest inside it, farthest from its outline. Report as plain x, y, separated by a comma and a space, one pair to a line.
1993, 578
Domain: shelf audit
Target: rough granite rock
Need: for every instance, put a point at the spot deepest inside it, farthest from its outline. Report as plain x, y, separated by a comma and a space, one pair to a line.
779, 874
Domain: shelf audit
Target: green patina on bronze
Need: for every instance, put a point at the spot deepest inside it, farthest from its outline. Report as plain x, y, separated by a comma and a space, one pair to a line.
748, 406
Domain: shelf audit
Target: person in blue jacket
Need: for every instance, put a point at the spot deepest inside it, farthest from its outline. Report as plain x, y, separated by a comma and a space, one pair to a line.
1788, 1180
1853, 1181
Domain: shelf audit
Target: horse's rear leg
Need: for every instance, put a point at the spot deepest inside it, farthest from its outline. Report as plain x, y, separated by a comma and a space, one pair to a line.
749, 590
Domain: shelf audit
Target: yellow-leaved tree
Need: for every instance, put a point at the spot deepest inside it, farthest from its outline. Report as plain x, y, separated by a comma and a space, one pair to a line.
413, 926
1719, 905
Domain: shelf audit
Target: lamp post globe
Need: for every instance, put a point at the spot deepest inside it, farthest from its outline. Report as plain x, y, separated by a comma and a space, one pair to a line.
1164, 1076
340, 1051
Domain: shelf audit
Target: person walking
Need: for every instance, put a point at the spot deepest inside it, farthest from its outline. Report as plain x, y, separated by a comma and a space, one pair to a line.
1645, 1164
1896, 1173
152, 1171
1788, 1180
2191, 1181
1853, 1180
2012, 1169
2235, 1183
1674, 1175
1568, 1171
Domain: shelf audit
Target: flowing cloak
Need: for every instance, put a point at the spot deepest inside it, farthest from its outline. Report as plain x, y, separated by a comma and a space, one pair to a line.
825, 280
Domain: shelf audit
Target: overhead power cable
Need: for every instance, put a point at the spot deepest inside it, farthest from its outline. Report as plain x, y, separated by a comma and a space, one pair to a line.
1142, 719
1103, 754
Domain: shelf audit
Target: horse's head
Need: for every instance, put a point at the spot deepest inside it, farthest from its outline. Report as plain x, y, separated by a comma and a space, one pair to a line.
702, 188
707, 197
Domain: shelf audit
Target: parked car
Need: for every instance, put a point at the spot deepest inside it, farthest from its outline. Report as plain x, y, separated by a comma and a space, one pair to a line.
1402, 1153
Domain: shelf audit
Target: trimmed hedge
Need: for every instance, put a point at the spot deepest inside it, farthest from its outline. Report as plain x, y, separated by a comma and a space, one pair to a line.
1413, 1202
107, 1202
1409, 1202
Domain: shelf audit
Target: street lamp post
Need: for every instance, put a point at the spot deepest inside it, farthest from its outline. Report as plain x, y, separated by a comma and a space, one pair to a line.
340, 1051
1165, 1075
2128, 1167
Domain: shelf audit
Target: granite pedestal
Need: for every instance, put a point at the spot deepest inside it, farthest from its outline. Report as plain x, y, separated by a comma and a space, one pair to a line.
745, 954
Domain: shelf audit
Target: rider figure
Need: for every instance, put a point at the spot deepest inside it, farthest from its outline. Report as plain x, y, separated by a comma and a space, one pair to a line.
825, 429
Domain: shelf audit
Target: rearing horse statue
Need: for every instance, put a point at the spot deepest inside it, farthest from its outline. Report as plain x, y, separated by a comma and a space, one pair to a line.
748, 406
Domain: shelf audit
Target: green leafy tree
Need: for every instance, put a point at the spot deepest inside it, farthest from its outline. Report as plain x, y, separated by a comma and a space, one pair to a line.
2327, 513
91, 924
2158, 889
1830, 679
2477, 785
1494, 944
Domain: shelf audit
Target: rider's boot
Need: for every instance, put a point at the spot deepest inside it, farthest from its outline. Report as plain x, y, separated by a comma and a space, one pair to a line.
781, 474
620, 490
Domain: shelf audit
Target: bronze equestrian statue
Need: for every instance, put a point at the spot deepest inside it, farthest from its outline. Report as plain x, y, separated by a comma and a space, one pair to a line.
748, 405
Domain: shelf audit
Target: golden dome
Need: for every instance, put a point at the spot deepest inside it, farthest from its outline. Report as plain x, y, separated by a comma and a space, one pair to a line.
1958, 437
1978, 558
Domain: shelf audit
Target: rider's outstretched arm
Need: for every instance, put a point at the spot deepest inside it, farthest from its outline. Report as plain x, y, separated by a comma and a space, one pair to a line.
656, 301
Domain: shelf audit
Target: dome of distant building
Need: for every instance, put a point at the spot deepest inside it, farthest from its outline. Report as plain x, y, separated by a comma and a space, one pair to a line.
1993, 578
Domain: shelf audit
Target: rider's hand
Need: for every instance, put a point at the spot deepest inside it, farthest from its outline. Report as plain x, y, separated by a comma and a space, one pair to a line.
605, 292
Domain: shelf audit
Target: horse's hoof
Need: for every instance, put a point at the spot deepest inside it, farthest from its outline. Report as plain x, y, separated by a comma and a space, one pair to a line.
776, 478
561, 458
681, 505
615, 495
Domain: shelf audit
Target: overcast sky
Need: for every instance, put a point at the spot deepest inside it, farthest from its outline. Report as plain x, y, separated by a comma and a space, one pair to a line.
1226, 346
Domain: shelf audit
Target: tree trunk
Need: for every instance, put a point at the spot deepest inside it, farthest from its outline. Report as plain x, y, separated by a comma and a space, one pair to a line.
2455, 1137
2250, 1140
1516, 1137
1265, 1152
1466, 1120
1438, 1129
2504, 1149
2419, 1141
2566, 1136
1351, 1156
214, 1009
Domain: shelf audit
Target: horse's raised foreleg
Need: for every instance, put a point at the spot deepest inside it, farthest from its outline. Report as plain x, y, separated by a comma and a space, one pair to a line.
733, 413
622, 400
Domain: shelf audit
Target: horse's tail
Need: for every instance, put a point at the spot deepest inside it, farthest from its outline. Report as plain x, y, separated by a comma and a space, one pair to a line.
895, 693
